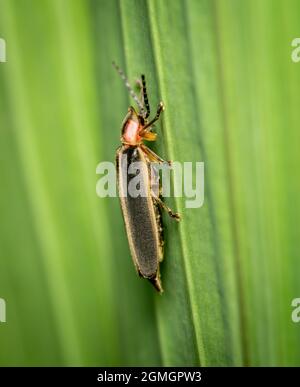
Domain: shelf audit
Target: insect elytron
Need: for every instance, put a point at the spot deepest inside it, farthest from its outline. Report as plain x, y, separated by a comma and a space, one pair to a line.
141, 214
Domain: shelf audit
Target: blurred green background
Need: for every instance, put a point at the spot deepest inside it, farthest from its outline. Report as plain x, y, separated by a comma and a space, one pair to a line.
231, 269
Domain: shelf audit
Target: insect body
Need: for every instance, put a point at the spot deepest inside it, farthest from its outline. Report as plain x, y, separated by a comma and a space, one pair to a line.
141, 213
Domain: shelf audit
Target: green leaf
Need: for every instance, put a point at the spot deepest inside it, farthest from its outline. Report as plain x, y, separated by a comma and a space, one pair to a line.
231, 267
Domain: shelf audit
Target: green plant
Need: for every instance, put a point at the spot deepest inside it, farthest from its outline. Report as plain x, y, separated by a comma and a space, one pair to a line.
231, 268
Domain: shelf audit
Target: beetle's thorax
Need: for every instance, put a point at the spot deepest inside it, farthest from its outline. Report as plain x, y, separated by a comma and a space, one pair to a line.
130, 134
131, 128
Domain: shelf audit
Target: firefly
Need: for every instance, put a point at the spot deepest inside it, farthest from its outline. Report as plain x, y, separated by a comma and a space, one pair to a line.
142, 214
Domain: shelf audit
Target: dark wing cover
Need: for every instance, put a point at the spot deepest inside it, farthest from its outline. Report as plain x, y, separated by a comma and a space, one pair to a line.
139, 215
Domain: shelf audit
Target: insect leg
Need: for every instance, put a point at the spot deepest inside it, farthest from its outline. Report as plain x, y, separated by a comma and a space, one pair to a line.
148, 135
173, 215
161, 108
153, 156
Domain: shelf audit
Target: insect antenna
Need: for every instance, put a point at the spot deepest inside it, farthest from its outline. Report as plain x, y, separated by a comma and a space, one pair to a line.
145, 97
130, 89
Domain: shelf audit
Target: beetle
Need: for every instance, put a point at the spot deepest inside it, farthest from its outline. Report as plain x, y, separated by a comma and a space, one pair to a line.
142, 213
